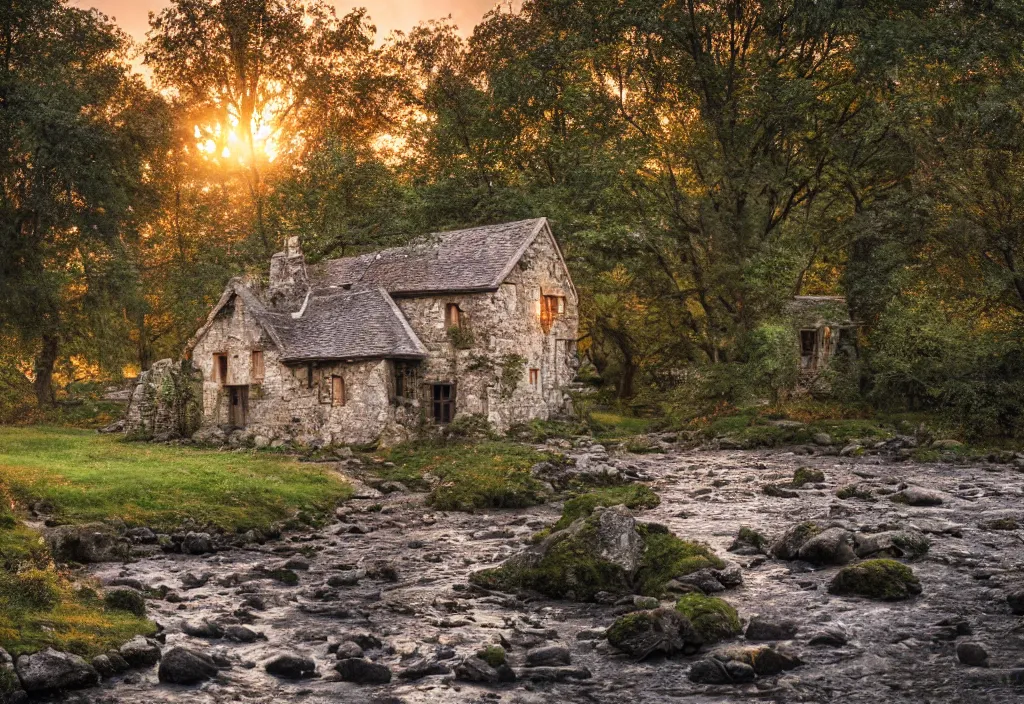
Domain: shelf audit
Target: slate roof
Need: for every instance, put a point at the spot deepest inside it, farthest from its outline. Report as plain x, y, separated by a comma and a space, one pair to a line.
349, 312
474, 259
350, 325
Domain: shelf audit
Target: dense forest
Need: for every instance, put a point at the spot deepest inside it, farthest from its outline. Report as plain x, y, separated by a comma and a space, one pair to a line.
700, 162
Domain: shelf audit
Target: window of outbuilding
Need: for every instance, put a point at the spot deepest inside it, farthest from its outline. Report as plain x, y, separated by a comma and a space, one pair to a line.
220, 368
808, 341
452, 316
550, 308
256, 365
337, 391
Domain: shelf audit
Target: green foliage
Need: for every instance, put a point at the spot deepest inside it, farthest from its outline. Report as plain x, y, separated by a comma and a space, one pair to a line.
886, 580
512, 366
181, 392
773, 361
633, 496
493, 655
489, 474
461, 337
713, 618
88, 477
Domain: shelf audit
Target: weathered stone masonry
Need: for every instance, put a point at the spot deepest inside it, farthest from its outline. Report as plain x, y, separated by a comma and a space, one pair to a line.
358, 350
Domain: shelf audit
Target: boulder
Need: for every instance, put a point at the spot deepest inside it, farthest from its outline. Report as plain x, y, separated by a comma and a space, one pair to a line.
348, 649
761, 628
787, 546
972, 655
555, 674
715, 671
90, 542
140, 652
712, 618
51, 670
917, 496
476, 670
907, 544
241, 634
126, 599
290, 666
765, 661
197, 543
1015, 599
362, 671
421, 667
834, 637
203, 629
644, 633
748, 542
886, 580
548, 655
185, 666
833, 546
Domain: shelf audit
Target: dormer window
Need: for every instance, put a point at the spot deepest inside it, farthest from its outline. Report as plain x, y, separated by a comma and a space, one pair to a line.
452, 316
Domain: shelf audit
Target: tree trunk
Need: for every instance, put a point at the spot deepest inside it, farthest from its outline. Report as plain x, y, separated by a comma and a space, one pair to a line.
43, 367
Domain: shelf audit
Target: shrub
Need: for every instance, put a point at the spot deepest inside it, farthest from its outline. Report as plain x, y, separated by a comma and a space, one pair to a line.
493, 655
32, 588
772, 357
461, 337
126, 599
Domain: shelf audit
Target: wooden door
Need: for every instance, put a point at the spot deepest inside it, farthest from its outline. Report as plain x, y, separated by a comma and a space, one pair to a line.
238, 409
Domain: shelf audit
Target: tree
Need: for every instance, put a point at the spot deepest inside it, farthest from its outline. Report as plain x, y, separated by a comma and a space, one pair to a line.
78, 132
246, 69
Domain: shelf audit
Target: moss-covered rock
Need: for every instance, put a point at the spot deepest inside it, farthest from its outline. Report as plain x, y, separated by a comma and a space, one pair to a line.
807, 475
666, 557
605, 552
856, 491
787, 547
644, 633
493, 655
883, 579
126, 599
633, 496
713, 618
748, 542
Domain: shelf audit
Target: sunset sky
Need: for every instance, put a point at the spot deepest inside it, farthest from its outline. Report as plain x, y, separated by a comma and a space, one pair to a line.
388, 15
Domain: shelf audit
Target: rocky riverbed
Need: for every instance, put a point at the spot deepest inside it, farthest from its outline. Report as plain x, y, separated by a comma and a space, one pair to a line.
389, 578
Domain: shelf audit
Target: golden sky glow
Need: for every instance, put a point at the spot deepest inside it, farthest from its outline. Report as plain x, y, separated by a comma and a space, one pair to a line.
387, 15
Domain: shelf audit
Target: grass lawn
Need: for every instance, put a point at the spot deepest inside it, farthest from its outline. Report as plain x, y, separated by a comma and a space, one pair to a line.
492, 474
88, 477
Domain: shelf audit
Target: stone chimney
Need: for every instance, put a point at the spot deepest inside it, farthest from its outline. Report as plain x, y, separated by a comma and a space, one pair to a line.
288, 282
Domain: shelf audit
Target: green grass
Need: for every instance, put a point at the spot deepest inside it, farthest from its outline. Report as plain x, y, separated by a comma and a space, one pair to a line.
608, 425
89, 477
489, 474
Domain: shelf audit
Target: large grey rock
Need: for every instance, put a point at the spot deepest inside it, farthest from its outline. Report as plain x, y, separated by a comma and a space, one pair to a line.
421, 667
548, 655
51, 670
197, 543
787, 546
765, 660
833, 546
362, 671
290, 666
203, 629
476, 670
917, 496
715, 671
90, 542
908, 544
618, 540
186, 666
644, 633
972, 655
762, 628
140, 652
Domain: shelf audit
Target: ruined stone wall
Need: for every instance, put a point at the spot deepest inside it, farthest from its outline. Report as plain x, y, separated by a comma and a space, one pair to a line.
284, 405
505, 325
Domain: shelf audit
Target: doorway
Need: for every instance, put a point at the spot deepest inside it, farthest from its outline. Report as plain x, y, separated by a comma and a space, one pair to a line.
443, 403
238, 406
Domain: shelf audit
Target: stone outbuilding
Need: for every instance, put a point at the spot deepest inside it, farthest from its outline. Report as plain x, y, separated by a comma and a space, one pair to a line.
823, 329
377, 347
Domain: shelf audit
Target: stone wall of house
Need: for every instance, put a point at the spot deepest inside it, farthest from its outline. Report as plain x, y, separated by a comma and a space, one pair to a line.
490, 367
284, 404
505, 327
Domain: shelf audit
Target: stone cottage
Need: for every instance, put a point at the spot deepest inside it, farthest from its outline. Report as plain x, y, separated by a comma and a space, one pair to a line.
823, 330
376, 347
